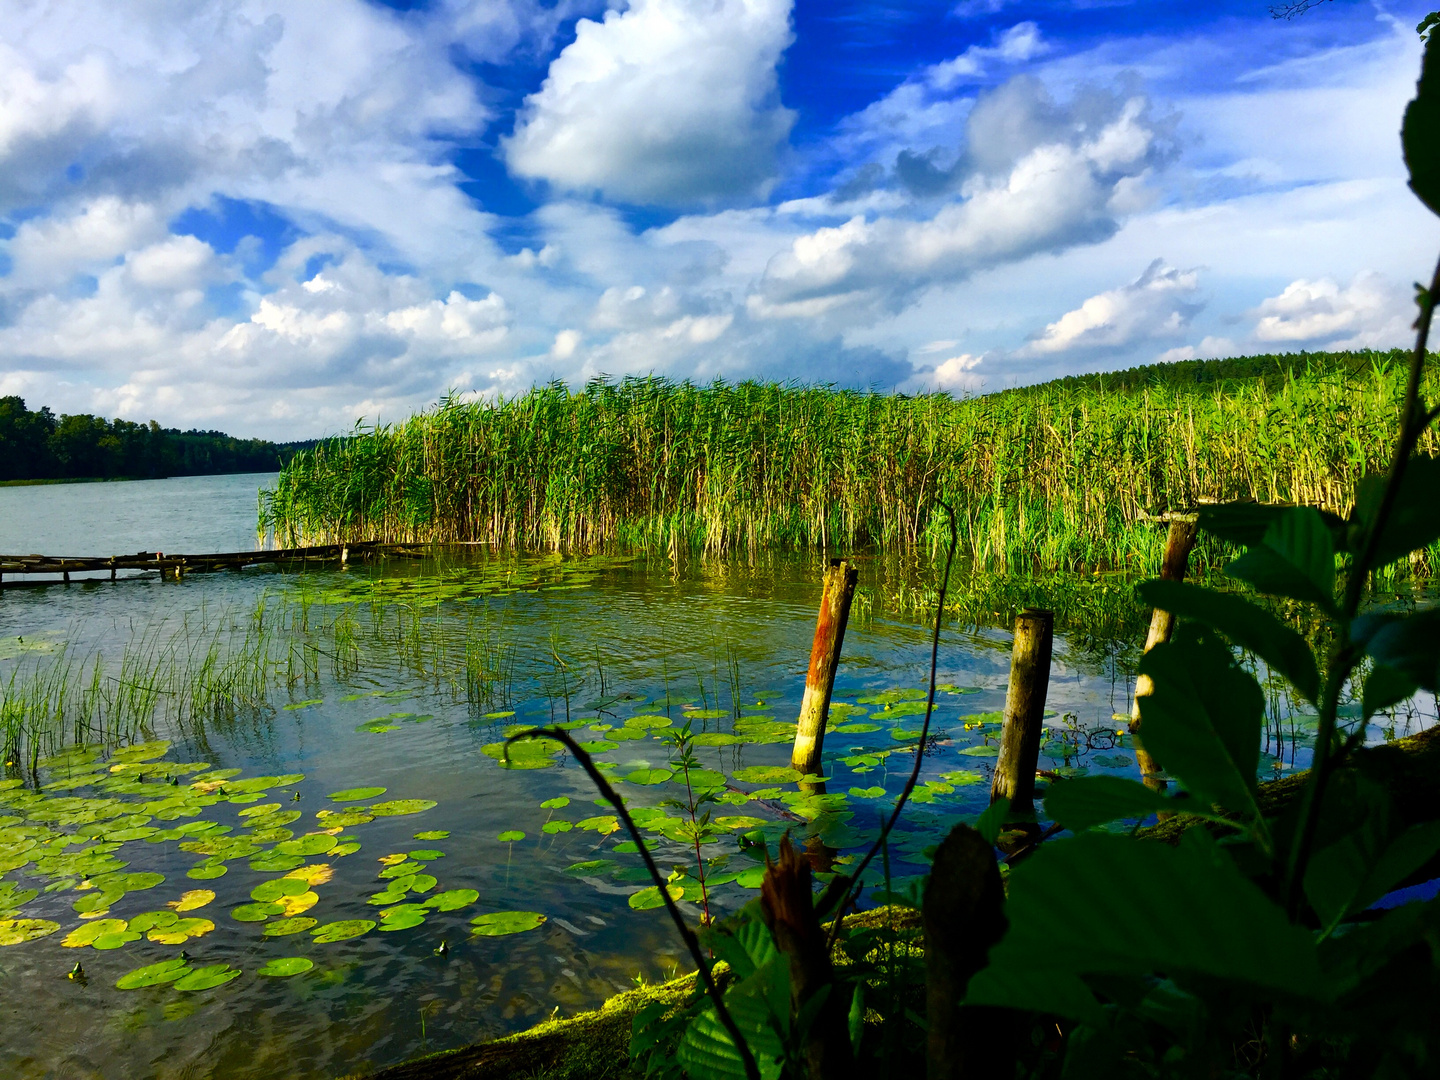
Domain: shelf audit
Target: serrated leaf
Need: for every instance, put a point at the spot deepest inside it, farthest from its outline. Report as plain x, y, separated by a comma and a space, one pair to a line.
1245, 624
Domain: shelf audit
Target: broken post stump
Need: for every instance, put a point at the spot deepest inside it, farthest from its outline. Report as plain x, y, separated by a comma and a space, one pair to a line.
839, 590
964, 913
1024, 710
1178, 543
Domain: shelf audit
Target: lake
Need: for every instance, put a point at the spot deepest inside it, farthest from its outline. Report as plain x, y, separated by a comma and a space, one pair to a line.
322, 753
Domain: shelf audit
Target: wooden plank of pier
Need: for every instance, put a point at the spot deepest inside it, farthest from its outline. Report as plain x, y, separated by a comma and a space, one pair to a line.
178, 565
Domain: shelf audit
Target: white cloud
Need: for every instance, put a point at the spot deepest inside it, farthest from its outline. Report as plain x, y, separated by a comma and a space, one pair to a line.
958, 373
1210, 348
667, 102
1017, 44
1039, 187
1370, 312
1156, 304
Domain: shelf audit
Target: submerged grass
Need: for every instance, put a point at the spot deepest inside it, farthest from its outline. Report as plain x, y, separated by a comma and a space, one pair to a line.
1054, 477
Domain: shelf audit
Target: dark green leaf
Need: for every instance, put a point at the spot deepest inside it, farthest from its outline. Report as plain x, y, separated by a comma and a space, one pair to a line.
1093, 800
1245, 523
1385, 686
1245, 624
1408, 643
1295, 558
989, 823
1202, 719
1420, 132
1414, 520
1145, 907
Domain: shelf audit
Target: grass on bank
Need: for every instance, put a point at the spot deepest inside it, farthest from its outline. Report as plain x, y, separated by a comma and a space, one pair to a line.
1054, 477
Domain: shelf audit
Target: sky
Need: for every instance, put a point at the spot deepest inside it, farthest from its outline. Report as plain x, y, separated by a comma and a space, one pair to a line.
278, 219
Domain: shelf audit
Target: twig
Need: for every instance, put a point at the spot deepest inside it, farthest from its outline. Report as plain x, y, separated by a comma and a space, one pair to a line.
855, 882
752, 1071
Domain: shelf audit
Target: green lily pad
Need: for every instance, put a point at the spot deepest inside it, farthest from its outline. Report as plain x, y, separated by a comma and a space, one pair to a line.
434, 834
649, 776
510, 836
378, 726
207, 978
452, 899
296, 924
207, 871
401, 920
427, 855
342, 931
398, 807
180, 931
166, 971
767, 774
256, 912
858, 729
84, 935
590, 868
716, 738
649, 898
151, 919
275, 862
106, 942
500, 923
267, 892
981, 751
553, 827
18, 931
303, 704
343, 819
356, 794
285, 966
307, 845
867, 793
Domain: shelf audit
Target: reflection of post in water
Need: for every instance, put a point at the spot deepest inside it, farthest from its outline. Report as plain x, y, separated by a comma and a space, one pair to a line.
1178, 543
839, 589
1024, 711
820, 854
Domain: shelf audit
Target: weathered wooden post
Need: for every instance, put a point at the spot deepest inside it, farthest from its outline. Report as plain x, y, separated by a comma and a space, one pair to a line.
1178, 543
964, 913
1024, 710
839, 590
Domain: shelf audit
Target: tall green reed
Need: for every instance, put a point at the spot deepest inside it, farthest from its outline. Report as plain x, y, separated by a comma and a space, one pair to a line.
1060, 476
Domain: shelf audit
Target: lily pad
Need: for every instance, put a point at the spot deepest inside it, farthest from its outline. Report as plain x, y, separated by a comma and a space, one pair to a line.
114, 941
452, 899
307, 845
207, 978
207, 871
82, 936
510, 836
285, 966
398, 807
441, 834
342, 931
314, 874
166, 971
356, 794
500, 923
767, 774
283, 927
299, 903
858, 729
553, 827
151, 919
17, 931
180, 931
649, 898
268, 892
256, 912
981, 751
649, 776
867, 793
401, 920
275, 862
427, 855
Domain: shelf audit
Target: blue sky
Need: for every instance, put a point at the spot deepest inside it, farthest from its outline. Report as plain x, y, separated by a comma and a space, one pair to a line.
279, 218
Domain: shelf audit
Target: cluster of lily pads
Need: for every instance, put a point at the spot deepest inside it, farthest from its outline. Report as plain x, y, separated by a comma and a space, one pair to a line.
543, 573
54, 840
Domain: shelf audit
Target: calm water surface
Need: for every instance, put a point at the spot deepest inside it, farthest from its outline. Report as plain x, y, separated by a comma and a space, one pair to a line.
400, 676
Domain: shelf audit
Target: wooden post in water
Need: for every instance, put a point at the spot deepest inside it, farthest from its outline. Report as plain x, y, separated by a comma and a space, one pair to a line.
1178, 543
840, 581
1024, 710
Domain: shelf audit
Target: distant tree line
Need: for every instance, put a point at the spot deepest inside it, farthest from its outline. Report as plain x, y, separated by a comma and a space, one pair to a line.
38, 445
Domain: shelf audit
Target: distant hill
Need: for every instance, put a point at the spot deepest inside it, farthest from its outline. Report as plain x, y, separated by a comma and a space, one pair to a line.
38, 445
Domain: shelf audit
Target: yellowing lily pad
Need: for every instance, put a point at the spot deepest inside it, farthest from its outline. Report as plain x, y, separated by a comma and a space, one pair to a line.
17, 931
298, 903
500, 923
194, 898
314, 874
442, 834
180, 931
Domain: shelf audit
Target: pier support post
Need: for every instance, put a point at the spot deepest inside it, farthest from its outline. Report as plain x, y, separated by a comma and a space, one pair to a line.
839, 590
1024, 710
1178, 544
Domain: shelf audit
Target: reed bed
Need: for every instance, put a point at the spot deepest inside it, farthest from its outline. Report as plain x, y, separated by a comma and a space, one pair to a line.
1056, 477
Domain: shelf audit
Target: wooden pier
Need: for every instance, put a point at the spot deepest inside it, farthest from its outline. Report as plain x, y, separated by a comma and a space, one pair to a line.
177, 566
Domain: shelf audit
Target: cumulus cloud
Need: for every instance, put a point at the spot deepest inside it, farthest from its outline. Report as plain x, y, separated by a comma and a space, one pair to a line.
1156, 304
1371, 312
664, 102
1042, 183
